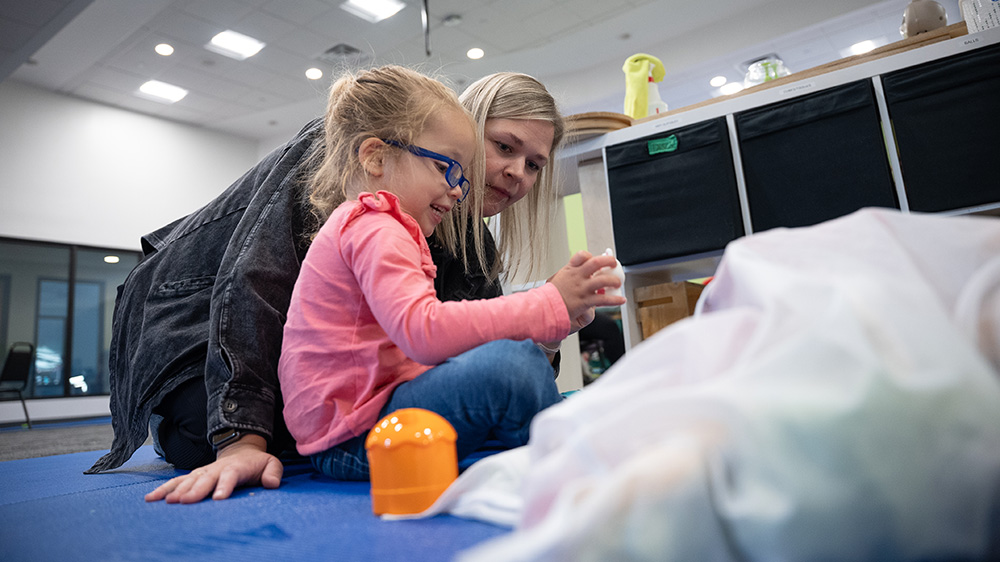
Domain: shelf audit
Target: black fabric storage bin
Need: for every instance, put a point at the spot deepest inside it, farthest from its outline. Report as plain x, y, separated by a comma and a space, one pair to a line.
946, 120
814, 158
673, 193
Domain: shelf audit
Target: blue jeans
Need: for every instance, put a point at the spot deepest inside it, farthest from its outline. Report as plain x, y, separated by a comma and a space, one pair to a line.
490, 392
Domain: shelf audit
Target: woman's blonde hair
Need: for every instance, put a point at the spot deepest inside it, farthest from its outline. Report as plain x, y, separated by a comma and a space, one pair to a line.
524, 228
389, 102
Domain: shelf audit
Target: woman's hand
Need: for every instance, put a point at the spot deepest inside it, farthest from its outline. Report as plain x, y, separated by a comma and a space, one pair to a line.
245, 462
578, 283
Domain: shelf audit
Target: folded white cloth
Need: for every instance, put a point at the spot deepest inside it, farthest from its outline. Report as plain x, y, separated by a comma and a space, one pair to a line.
836, 396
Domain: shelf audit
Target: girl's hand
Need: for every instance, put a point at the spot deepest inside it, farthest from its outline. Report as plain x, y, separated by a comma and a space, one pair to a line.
578, 283
243, 463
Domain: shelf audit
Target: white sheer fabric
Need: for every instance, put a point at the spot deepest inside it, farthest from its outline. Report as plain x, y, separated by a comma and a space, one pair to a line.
836, 396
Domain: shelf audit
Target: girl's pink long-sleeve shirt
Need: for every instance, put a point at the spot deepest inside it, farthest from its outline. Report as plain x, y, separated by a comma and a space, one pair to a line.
364, 318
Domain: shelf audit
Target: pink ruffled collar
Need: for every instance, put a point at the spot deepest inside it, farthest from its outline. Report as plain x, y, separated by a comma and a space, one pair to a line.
385, 202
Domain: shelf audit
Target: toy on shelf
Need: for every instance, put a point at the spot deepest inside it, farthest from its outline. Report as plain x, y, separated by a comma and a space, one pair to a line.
642, 97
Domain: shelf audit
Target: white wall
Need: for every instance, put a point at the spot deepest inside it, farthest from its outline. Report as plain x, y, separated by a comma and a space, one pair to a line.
56, 409
266, 145
73, 171
78, 172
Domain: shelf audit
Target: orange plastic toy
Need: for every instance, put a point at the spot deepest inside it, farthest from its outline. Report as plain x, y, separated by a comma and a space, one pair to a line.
411, 460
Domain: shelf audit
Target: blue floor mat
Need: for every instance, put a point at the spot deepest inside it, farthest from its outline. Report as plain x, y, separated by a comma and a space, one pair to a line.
50, 510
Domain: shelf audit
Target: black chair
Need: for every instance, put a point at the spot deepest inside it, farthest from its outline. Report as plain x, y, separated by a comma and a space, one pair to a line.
15, 372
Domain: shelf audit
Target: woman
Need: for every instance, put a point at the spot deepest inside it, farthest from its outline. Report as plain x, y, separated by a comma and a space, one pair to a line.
520, 126
199, 320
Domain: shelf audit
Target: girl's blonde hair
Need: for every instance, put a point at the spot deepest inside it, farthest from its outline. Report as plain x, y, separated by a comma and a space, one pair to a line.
389, 102
524, 228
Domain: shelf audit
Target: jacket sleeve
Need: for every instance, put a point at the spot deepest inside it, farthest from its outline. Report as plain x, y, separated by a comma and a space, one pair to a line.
388, 266
251, 296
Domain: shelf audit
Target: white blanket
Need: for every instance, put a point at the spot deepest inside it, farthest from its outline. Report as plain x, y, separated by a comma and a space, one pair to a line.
836, 397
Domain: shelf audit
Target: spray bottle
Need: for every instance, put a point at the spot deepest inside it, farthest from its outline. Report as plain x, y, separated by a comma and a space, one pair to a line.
656, 104
642, 96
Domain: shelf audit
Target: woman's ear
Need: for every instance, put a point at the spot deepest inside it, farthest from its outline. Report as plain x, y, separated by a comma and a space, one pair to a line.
371, 153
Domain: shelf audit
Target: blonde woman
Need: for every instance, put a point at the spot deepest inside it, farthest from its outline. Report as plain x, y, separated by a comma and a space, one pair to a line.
521, 128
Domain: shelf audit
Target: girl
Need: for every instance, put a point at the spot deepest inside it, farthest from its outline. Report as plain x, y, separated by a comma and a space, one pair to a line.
364, 325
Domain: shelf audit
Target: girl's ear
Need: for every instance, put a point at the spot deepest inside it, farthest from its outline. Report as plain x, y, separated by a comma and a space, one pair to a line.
371, 153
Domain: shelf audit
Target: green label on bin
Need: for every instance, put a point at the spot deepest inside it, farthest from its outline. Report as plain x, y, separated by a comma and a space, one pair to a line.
658, 146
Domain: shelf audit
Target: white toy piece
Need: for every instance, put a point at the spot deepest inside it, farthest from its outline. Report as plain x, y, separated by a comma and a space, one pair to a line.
921, 16
617, 272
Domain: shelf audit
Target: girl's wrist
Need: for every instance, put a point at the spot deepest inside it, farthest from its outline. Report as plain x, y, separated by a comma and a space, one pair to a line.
548, 348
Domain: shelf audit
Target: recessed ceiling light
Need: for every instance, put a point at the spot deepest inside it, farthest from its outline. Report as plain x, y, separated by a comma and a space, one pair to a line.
235, 45
314, 73
731, 88
373, 10
718, 81
161, 91
475, 53
111, 259
862, 47
164, 49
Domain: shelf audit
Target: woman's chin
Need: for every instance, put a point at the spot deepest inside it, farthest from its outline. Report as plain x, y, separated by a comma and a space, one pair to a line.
494, 203
490, 209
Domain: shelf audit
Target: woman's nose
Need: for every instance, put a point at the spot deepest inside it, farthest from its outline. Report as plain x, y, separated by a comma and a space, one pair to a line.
455, 192
515, 169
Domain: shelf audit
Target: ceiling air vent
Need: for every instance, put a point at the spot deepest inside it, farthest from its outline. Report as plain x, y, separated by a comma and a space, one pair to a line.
342, 53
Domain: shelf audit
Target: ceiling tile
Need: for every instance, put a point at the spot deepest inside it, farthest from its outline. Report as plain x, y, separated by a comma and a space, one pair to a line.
206, 105
218, 12
223, 89
265, 27
142, 59
299, 12
591, 11
281, 62
99, 92
189, 76
13, 34
115, 79
180, 25
33, 13
262, 100
305, 43
499, 25
441, 8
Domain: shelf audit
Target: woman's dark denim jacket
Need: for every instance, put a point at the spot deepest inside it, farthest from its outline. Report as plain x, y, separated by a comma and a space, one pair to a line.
209, 300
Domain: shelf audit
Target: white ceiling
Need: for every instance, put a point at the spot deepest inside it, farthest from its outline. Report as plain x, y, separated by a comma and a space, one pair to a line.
102, 50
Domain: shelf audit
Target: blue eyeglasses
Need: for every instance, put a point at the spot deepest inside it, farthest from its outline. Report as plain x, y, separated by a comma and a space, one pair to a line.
454, 175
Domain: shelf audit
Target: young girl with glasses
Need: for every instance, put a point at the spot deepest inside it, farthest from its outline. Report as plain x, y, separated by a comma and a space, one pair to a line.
365, 333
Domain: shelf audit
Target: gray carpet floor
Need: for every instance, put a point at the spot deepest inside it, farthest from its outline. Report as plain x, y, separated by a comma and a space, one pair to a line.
54, 439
